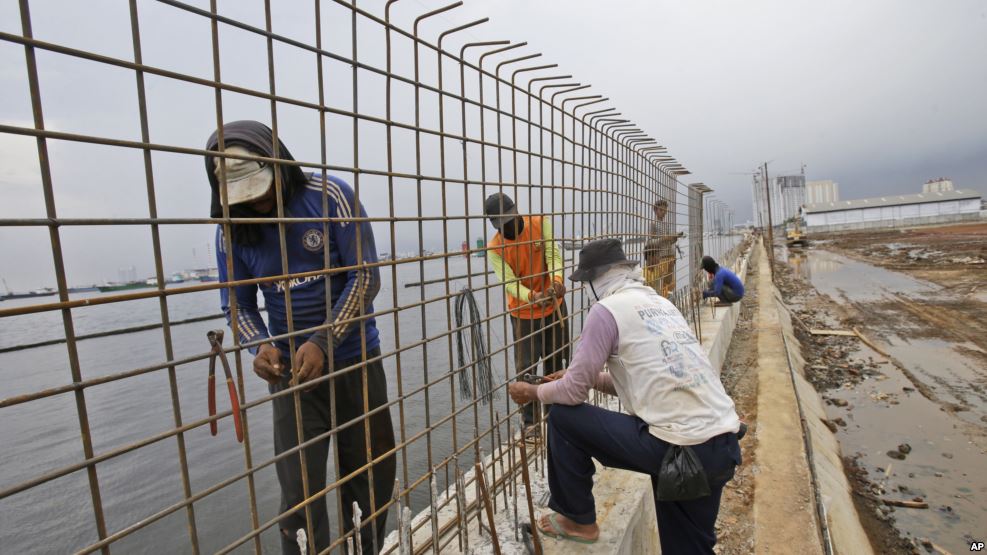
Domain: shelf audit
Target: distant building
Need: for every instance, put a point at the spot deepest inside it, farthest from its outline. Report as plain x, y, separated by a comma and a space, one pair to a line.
757, 195
787, 195
894, 211
825, 190
791, 193
937, 185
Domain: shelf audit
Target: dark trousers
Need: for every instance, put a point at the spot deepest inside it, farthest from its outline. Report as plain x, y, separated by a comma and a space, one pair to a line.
350, 445
728, 295
578, 434
543, 339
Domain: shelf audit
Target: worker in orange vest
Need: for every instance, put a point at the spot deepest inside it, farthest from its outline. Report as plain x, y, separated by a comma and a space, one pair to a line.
526, 259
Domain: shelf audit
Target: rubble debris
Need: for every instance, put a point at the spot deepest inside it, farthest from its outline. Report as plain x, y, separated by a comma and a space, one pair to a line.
906, 504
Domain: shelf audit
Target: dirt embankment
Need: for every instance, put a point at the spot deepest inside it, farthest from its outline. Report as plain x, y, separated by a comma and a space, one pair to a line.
735, 525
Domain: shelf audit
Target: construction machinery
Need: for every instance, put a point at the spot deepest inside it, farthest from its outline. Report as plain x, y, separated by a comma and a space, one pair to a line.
795, 237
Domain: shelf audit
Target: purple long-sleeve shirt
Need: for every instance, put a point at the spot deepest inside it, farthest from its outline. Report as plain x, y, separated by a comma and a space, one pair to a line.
596, 344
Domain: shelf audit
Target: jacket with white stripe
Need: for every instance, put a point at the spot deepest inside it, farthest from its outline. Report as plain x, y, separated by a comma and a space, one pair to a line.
351, 288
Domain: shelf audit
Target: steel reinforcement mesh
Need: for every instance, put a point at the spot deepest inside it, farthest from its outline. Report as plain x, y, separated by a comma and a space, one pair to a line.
104, 396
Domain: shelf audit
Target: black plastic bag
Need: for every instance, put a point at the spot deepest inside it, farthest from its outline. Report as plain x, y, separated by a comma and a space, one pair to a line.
681, 476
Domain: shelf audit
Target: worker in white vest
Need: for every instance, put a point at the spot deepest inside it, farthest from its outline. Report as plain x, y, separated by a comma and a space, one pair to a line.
680, 426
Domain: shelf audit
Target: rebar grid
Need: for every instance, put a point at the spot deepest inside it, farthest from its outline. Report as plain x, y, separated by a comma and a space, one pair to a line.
555, 150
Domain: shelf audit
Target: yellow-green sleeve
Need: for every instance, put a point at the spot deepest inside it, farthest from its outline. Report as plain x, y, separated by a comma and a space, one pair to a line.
553, 255
505, 274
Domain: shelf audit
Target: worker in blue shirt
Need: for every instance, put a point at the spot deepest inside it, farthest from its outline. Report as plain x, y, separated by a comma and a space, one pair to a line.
726, 287
342, 348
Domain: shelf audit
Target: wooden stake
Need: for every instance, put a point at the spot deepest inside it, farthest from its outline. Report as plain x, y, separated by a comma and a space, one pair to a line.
870, 343
906, 504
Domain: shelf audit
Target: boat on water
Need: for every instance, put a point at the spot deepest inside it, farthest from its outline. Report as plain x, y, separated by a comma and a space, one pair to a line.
43, 292
202, 274
110, 287
84, 289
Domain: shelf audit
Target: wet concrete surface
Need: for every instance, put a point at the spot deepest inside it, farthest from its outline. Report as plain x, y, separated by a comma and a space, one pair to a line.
929, 394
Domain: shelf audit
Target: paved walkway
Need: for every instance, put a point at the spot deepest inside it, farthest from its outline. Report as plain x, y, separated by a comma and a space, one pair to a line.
784, 505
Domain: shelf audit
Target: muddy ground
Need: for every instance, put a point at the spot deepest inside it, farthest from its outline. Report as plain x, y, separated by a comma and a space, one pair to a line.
911, 415
832, 363
735, 525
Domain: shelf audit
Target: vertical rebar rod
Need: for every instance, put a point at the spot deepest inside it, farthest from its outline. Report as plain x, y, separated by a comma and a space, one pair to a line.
362, 307
392, 228
279, 192
227, 235
162, 300
485, 497
56, 252
445, 232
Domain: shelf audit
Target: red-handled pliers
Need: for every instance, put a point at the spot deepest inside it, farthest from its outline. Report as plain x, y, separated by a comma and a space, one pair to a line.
216, 341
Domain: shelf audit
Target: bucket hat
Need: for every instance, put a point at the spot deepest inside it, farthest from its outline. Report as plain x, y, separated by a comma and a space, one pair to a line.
599, 256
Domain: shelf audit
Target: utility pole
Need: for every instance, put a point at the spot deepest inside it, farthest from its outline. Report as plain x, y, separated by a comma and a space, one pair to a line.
771, 235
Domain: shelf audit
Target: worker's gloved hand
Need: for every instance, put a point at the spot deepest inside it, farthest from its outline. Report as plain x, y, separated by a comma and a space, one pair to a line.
558, 288
267, 363
308, 362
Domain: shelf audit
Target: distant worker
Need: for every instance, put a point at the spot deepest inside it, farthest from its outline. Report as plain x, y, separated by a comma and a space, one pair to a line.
673, 398
526, 259
659, 251
324, 346
726, 287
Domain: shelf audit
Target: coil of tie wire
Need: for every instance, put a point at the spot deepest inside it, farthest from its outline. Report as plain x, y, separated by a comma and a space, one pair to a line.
474, 365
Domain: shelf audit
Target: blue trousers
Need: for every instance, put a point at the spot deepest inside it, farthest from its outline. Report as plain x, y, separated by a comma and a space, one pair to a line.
578, 434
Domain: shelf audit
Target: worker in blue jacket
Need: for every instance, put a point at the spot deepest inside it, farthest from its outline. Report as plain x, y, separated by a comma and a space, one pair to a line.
333, 284
726, 286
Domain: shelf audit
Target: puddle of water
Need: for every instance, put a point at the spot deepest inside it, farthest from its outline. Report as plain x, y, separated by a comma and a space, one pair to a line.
956, 378
884, 415
954, 487
844, 278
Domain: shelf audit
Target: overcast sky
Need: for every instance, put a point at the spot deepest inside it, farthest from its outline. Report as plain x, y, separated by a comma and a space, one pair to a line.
878, 95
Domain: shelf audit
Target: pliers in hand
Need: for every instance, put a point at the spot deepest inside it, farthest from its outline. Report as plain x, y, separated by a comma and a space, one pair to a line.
531, 379
216, 342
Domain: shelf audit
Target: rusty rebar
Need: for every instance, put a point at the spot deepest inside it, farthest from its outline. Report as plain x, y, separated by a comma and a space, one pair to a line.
595, 177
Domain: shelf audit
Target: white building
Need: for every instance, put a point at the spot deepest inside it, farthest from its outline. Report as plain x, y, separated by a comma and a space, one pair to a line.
786, 193
791, 196
824, 190
893, 211
757, 195
938, 185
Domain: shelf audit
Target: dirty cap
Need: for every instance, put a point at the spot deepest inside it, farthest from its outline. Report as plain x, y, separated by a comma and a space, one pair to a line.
597, 257
246, 180
500, 209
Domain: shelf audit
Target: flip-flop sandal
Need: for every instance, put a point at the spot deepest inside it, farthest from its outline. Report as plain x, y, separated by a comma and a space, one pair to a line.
560, 534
